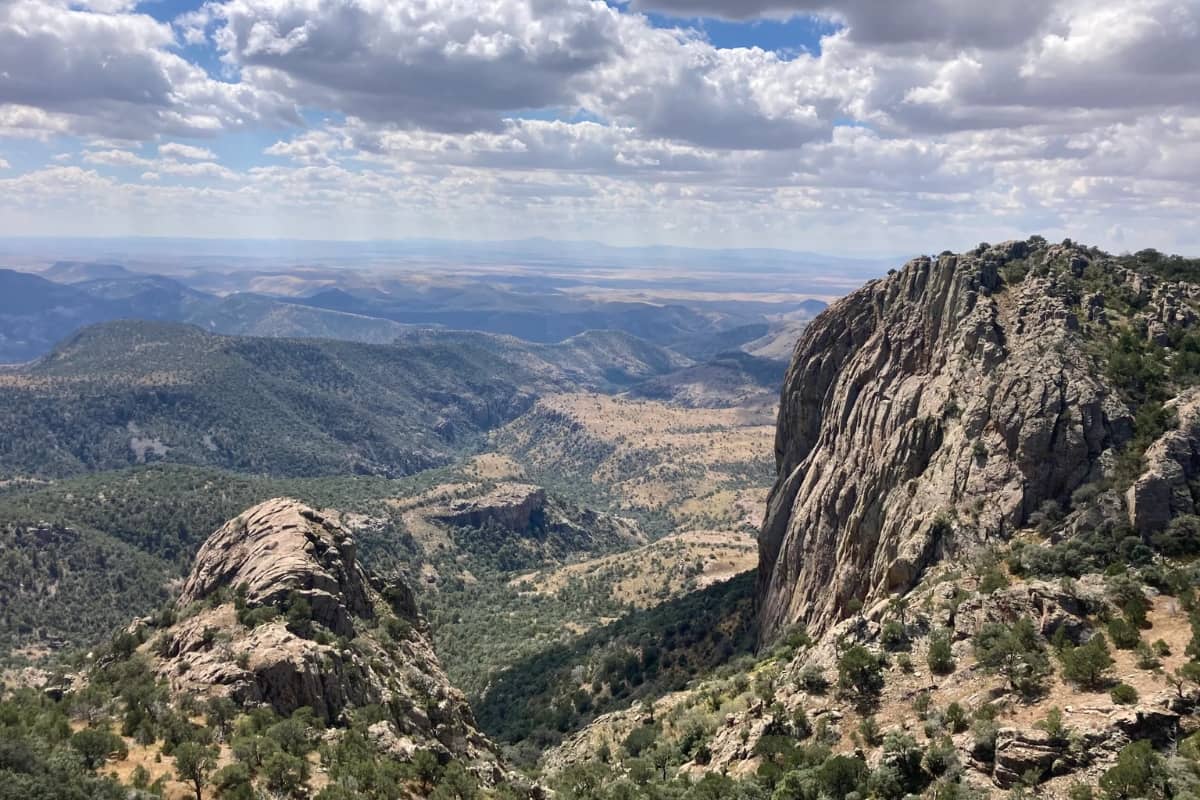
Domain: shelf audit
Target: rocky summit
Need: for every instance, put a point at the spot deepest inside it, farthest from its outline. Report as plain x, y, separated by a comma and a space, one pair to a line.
278, 612
941, 407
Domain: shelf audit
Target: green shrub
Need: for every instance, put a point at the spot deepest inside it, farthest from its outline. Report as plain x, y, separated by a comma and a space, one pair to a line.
894, 636
813, 680
941, 656
1124, 635
95, 746
1123, 694
860, 675
1138, 773
1087, 665
1014, 651
640, 739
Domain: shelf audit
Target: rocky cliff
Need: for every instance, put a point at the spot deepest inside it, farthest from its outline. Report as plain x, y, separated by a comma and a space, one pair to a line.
939, 408
277, 611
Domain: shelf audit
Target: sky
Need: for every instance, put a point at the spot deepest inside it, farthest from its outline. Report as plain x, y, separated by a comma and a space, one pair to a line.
842, 126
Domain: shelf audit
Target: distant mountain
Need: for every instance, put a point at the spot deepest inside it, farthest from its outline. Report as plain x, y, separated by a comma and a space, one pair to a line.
255, 315
77, 271
536, 318
701, 348
35, 313
730, 380
377, 308
122, 393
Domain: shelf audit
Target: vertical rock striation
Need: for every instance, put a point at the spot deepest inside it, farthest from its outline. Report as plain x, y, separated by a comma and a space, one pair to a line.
929, 411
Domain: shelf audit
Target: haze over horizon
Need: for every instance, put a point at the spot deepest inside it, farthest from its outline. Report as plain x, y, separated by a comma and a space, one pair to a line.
813, 125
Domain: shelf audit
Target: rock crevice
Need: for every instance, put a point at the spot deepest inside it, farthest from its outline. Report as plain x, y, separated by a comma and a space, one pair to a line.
930, 411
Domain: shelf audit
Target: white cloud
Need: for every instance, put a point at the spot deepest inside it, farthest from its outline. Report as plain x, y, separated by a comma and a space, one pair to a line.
3, 164
968, 119
440, 64
937, 22
114, 158
111, 74
185, 151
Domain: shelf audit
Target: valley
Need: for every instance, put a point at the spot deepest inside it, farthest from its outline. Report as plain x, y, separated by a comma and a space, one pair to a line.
955, 557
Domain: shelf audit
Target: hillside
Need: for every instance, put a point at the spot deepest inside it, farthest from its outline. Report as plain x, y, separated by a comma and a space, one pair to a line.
728, 380
679, 463
130, 392
283, 667
977, 573
255, 315
941, 408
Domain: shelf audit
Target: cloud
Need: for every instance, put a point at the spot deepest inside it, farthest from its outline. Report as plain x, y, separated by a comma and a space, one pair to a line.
3, 164
917, 120
185, 151
114, 158
439, 64
454, 67
115, 75
941, 22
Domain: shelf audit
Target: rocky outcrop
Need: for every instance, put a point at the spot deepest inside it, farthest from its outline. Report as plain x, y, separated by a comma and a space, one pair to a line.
279, 549
1164, 490
1020, 752
928, 412
512, 506
1050, 605
277, 611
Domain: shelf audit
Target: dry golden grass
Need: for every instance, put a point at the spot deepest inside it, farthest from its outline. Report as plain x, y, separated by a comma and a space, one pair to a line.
494, 467
662, 456
970, 687
657, 572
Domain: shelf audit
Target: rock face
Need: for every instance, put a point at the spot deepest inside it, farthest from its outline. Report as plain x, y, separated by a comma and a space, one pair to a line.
929, 411
513, 506
361, 643
279, 548
1020, 751
1163, 491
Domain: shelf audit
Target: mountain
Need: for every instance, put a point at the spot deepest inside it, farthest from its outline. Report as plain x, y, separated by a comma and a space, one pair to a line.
247, 314
279, 644
977, 573
128, 392
544, 317
946, 406
729, 380
78, 271
35, 313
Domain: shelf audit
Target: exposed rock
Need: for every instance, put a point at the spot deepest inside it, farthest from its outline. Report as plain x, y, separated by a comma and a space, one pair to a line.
280, 547
1019, 752
1159, 725
1163, 490
364, 645
923, 414
543, 526
1049, 605
512, 506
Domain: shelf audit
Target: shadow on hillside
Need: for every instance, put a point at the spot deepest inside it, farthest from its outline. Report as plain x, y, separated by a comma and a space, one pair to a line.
538, 701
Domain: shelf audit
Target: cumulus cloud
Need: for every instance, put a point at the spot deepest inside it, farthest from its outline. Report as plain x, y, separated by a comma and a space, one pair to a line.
82, 70
456, 67
952, 22
583, 117
185, 151
440, 64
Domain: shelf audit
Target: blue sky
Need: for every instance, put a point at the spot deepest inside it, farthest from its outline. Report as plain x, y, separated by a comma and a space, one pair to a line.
837, 125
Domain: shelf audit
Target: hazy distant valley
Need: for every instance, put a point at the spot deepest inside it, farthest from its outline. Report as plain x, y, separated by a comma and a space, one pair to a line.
390, 531
538, 452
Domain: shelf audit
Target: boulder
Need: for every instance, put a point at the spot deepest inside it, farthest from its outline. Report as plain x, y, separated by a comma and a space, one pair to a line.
1019, 752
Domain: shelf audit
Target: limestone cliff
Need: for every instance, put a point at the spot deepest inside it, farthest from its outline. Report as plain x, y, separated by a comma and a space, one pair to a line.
940, 407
